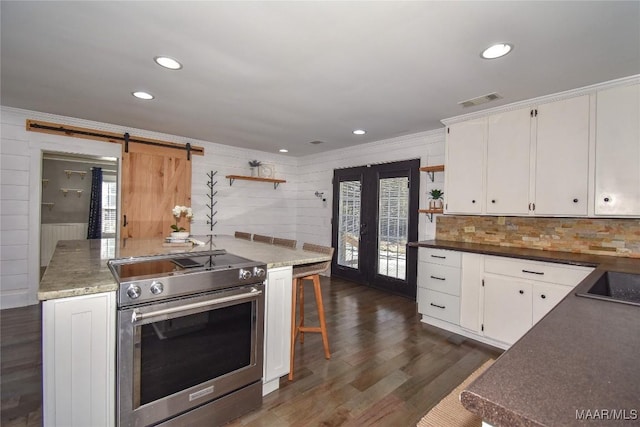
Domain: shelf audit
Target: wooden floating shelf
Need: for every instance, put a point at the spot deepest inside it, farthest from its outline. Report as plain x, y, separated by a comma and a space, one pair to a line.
435, 168
430, 170
275, 181
430, 212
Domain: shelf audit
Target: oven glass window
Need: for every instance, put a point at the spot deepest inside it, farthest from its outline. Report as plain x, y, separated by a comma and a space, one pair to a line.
186, 351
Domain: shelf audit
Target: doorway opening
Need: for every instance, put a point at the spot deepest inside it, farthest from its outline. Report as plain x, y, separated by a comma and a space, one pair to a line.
65, 199
375, 215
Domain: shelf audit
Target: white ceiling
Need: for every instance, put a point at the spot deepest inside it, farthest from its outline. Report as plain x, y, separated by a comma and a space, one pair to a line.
270, 75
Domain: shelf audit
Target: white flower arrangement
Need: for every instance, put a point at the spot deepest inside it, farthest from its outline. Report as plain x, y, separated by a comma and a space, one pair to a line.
178, 211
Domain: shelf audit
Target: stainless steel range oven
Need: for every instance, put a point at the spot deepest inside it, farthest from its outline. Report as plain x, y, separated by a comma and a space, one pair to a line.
190, 338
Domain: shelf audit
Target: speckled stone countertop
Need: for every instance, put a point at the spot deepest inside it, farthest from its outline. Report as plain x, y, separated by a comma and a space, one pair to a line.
578, 361
79, 267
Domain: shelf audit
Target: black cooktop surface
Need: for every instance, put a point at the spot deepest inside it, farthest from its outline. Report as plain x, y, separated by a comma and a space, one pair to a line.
163, 266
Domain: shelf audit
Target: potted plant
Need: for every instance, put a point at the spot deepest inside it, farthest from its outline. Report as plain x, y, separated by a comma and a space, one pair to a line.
255, 164
178, 211
436, 198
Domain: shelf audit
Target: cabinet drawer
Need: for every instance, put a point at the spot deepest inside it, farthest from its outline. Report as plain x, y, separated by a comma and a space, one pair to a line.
440, 256
440, 278
535, 270
439, 305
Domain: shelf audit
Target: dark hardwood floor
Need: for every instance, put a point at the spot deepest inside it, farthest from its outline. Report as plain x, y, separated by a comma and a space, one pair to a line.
387, 368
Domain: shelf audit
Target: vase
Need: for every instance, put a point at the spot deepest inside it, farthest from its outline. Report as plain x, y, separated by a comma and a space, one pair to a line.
254, 171
180, 235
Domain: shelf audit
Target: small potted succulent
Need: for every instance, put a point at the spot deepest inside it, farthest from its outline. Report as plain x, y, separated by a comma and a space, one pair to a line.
436, 198
255, 164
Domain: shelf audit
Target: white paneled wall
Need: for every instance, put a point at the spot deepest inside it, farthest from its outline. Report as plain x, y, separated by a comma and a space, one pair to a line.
252, 206
316, 172
290, 211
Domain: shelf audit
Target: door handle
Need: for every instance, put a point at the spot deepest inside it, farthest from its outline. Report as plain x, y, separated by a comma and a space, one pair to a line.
124, 223
363, 229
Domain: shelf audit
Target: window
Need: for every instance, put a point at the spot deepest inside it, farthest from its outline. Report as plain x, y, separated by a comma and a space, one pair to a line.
109, 205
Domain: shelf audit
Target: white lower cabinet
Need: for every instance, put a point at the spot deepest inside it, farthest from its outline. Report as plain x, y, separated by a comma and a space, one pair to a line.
439, 305
471, 296
507, 308
277, 327
545, 297
78, 343
439, 284
498, 298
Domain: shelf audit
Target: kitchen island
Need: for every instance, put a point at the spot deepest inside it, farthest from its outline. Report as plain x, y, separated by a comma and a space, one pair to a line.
79, 319
576, 366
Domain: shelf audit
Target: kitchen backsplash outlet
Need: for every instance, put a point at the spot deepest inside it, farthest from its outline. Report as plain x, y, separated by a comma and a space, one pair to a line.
599, 236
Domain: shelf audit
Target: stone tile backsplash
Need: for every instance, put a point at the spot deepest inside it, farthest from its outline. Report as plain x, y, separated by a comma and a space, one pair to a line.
600, 236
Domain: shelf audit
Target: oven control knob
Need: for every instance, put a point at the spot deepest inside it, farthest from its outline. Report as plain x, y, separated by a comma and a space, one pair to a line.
156, 288
133, 291
245, 274
258, 272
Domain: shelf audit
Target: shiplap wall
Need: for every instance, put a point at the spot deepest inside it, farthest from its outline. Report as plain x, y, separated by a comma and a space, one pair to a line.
316, 172
251, 206
291, 211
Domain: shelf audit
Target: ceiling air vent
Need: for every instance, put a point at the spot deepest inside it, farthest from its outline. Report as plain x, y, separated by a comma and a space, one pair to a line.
480, 100
316, 142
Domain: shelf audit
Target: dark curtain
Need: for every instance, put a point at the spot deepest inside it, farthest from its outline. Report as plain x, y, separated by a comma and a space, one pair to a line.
94, 231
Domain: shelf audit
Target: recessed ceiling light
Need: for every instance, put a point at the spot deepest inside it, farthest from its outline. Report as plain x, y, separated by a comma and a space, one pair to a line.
142, 95
283, 150
496, 51
359, 132
167, 62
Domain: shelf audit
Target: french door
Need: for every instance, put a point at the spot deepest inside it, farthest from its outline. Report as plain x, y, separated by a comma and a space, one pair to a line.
375, 215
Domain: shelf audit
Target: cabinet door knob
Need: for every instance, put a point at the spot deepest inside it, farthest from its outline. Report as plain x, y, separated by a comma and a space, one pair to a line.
521, 292
543, 296
473, 201
493, 201
575, 200
606, 199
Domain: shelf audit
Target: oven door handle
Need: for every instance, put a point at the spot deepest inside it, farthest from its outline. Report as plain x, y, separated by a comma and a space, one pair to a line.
138, 317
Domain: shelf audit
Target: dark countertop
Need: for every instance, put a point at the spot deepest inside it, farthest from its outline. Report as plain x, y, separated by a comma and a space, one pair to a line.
582, 358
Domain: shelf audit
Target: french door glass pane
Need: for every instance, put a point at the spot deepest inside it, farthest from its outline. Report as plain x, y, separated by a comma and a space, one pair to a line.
349, 223
393, 227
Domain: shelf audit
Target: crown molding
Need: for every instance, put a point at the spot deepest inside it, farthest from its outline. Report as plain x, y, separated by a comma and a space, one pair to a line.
586, 90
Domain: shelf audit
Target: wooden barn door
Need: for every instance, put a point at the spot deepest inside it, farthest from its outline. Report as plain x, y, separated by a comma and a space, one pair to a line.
154, 180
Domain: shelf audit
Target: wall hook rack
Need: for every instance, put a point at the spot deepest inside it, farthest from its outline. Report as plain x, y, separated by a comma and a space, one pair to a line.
212, 202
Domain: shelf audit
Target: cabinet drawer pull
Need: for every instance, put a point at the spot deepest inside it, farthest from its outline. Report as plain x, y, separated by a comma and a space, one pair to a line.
438, 278
436, 305
539, 273
438, 256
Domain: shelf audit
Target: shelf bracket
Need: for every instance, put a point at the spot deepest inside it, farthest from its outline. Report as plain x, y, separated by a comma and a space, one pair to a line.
275, 185
430, 216
231, 181
431, 176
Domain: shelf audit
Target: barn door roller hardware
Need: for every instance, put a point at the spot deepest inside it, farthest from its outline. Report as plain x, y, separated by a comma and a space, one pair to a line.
86, 133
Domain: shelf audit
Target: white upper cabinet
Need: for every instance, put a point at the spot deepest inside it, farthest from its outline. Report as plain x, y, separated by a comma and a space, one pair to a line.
617, 175
465, 151
562, 158
508, 158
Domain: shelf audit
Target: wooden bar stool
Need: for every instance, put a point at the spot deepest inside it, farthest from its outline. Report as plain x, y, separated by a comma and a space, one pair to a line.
308, 272
263, 239
242, 235
287, 243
